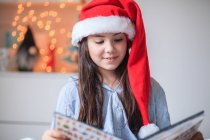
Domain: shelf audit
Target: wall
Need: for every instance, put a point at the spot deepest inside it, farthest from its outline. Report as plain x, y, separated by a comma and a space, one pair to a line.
27, 102
178, 39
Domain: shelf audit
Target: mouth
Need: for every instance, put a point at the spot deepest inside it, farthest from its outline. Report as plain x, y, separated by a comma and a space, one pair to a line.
110, 58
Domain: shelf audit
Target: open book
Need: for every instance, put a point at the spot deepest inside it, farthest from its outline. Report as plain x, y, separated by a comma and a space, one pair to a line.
76, 130
73, 129
183, 130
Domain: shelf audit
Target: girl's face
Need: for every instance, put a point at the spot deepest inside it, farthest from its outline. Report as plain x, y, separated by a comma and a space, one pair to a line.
107, 50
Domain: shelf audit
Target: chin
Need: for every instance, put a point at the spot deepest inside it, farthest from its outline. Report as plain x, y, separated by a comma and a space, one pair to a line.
110, 68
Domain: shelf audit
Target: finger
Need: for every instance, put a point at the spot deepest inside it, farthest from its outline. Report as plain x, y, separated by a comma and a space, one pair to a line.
56, 134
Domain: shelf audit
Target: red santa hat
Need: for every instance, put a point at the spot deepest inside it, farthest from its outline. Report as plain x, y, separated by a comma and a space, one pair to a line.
122, 16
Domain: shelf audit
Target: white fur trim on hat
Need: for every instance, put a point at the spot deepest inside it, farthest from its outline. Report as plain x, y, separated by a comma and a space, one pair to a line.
147, 130
102, 24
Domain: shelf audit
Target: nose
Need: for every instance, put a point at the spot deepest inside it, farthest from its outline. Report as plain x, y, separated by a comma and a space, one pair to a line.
109, 48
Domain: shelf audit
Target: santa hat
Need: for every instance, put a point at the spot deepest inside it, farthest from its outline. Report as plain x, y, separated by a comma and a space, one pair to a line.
122, 16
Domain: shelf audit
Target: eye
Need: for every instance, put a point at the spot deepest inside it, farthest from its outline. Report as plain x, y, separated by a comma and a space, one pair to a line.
118, 40
99, 42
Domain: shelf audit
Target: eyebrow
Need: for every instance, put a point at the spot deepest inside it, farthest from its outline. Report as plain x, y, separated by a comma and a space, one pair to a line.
98, 35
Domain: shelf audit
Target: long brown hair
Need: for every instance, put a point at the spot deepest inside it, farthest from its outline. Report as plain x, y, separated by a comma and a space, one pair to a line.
91, 93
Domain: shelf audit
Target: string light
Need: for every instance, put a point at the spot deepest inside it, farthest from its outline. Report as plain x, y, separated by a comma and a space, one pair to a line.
14, 33
59, 50
53, 41
47, 27
52, 33
46, 3
28, 4
48, 69
17, 18
44, 20
43, 66
31, 13
33, 19
20, 6
42, 51
63, 70
25, 19
79, 8
62, 5
14, 46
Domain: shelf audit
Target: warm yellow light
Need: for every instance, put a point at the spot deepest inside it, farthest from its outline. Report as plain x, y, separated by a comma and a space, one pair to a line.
43, 14
52, 33
23, 30
60, 50
53, 41
19, 27
14, 33
34, 18
20, 6
40, 24
42, 51
25, 19
47, 27
31, 12
44, 66
46, 3
53, 13
21, 34
62, 5
79, 8
63, 70
28, 4
14, 46
17, 18
49, 69
20, 10
20, 38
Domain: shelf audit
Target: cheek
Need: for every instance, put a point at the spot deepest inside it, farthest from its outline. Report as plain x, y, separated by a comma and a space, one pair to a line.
94, 51
95, 54
123, 49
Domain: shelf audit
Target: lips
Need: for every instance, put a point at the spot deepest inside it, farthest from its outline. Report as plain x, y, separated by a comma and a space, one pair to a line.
110, 58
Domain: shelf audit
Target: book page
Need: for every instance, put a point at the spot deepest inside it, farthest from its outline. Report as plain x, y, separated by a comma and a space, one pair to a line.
77, 130
183, 130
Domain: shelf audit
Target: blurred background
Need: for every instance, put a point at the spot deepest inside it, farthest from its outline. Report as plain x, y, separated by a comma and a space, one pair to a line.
36, 59
36, 35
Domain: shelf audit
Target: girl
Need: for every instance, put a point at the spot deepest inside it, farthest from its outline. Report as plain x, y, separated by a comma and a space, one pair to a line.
113, 90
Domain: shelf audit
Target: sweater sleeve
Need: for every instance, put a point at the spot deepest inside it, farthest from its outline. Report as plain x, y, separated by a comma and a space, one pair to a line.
68, 100
158, 109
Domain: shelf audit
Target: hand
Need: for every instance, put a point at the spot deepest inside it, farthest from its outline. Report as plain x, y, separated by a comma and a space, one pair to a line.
197, 136
53, 135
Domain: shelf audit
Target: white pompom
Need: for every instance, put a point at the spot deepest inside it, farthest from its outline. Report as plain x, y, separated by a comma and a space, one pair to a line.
147, 130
